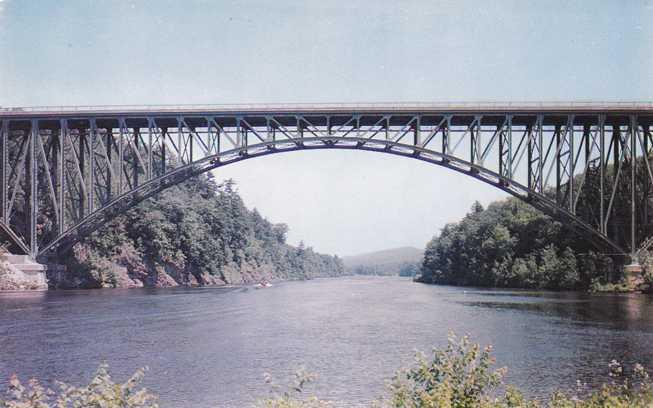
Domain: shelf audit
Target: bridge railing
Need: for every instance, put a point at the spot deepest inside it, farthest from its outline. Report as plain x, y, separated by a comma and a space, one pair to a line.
327, 107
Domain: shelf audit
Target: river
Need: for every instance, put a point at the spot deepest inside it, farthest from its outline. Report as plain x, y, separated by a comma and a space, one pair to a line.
210, 347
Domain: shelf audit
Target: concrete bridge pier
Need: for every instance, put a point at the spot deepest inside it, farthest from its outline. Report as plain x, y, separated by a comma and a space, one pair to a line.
634, 272
23, 273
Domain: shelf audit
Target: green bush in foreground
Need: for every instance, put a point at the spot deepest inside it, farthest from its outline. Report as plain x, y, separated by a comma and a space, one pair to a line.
101, 392
459, 376
291, 396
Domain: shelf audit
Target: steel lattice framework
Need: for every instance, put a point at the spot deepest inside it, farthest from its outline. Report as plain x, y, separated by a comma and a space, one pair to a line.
67, 170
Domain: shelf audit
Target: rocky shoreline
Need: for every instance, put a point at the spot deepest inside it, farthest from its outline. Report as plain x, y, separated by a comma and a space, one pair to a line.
13, 279
133, 271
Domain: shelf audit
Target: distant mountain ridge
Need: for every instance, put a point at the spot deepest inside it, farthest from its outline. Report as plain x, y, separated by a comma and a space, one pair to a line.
394, 261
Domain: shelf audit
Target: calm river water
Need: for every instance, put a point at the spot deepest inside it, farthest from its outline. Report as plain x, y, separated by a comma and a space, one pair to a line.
209, 347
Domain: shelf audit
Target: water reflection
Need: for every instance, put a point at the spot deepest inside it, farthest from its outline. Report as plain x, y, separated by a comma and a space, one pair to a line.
597, 328
619, 311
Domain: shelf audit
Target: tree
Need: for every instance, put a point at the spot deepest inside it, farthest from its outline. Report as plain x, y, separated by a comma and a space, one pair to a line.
197, 232
510, 244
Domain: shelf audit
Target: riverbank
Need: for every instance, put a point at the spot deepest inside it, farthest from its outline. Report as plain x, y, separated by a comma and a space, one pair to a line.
196, 233
638, 285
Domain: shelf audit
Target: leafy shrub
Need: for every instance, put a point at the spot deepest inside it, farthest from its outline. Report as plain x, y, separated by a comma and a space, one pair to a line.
458, 376
619, 287
101, 392
461, 376
290, 396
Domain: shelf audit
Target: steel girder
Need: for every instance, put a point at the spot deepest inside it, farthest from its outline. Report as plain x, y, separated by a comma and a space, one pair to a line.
64, 175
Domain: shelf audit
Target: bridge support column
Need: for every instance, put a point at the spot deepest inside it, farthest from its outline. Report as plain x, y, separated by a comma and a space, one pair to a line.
21, 272
634, 272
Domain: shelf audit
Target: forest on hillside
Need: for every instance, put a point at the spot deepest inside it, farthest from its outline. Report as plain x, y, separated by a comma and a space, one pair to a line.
511, 244
195, 233
403, 261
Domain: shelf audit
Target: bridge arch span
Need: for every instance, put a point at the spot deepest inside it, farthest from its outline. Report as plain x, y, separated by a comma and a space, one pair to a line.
149, 189
84, 166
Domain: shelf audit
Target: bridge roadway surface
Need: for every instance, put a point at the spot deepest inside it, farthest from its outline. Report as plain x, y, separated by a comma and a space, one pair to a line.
332, 108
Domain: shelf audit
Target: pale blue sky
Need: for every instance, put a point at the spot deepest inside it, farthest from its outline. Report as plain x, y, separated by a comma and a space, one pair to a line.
138, 52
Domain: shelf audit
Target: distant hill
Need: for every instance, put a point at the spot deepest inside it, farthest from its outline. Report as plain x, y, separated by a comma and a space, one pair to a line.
396, 261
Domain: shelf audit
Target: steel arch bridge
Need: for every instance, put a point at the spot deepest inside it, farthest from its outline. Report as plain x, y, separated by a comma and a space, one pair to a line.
67, 170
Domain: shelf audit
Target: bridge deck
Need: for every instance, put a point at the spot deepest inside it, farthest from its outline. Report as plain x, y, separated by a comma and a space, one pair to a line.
332, 108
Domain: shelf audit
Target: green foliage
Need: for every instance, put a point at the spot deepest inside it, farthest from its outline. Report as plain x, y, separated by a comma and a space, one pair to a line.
619, 287
291, 396
408, 269
101, 392
461, 375
511, 244
196, 232
458, 376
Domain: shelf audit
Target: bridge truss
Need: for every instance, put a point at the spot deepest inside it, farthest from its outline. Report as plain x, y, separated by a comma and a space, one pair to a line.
66, 171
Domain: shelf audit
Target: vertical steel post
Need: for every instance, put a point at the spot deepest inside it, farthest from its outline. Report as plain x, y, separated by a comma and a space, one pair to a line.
328, 125
616, 156
510, 158
191, 136
540, 150
300, 131
558, 169
647, 187
180, 134
91, 165
164, 135
218, 137
135, 132
149, 149
472, 144
587, 133
571, 161
4, 168
32, 168
479, 141
61, 179
358, 125
82, 169
501, 151
109, 146
633, 185
445, 137
529, 151
121, 155
602, 171
241, 140
387, 128
268, 130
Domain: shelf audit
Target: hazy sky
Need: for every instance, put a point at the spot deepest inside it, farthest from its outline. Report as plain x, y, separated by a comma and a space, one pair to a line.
57, 52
